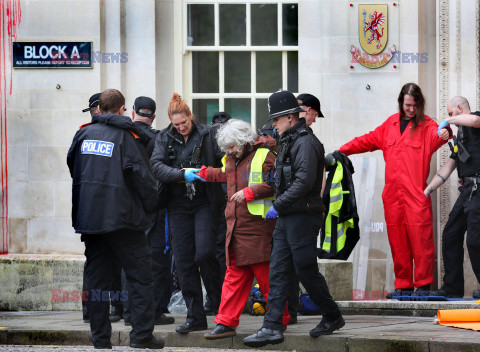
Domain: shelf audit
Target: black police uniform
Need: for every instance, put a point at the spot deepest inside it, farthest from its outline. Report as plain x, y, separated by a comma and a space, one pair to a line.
220, 222
465, 214
190, 214
161, 258
112, 190
298, 184
294, 290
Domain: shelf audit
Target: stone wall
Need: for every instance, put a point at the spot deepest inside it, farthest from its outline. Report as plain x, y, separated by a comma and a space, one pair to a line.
41, 282
42, 119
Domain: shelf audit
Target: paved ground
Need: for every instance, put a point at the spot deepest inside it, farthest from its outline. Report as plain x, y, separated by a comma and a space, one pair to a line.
52, 348
361, 333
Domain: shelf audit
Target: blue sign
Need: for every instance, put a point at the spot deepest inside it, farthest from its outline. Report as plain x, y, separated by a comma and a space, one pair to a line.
97, 148
52, 54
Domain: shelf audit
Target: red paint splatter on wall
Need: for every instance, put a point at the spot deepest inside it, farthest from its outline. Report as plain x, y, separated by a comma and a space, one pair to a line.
10, 17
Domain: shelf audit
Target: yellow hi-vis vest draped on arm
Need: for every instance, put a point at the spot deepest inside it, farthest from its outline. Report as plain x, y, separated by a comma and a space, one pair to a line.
336, 201
258, 206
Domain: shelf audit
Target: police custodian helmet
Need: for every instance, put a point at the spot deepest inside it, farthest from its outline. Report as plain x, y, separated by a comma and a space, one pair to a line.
282, 103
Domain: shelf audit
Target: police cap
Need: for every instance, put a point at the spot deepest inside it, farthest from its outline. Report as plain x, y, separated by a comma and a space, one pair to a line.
144, 103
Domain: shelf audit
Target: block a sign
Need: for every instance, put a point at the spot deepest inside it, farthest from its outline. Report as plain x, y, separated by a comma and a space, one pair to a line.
52, 54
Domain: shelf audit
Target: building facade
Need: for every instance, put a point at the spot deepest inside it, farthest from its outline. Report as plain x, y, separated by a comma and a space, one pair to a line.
228, 56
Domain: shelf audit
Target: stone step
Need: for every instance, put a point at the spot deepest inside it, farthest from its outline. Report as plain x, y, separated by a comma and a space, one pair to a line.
53, 282
360, 334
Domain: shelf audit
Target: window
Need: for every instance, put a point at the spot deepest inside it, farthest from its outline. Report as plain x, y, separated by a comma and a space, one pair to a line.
237, 54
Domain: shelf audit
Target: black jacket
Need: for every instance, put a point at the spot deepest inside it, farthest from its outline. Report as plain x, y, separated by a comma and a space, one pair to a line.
151, 133
306, 156
113, 187
167, 165
347, 211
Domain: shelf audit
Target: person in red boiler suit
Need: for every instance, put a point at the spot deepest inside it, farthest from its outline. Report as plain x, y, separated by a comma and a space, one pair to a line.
407, 139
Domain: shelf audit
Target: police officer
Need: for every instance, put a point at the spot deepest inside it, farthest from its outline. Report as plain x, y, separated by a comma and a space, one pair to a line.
298, 205
112, 190
465, 214
220, 118
116, 306
311, 106
178, 153
311, 110
92, 109
92, 104
143, 115
220, 223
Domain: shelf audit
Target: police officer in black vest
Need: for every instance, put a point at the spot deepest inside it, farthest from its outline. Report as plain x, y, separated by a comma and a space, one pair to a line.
465, 214
192, 204
299, 207
112, 191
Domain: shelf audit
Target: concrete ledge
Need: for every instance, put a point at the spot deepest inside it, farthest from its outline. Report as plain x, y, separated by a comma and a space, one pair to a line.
402, 308
360, 334
296, 343
339, 277
27, 281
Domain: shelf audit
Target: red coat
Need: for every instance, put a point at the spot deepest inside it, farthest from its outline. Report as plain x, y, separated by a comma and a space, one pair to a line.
249, 235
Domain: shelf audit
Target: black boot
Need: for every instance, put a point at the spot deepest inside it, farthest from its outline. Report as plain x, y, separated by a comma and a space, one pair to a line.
327, 327
116, 313
164, 320
153, 344
422, 290
191, 326
264, 337
399, 292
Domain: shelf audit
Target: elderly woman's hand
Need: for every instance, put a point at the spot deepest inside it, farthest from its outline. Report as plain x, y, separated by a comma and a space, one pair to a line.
238, 197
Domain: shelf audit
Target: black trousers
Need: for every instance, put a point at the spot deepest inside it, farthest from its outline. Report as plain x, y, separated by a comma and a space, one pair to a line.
85, 287
161, 261
221, 232
115, 285
294, 250
465, 216
193, 241
128, 249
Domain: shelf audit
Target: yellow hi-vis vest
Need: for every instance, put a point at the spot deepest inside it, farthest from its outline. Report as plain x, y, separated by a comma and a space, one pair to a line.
336, 201
258, 206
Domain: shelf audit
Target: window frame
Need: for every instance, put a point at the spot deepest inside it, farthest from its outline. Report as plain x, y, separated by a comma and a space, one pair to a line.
221, 49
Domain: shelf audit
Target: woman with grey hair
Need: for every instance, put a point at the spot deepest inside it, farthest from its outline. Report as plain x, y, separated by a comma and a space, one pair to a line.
248, 240
236, 133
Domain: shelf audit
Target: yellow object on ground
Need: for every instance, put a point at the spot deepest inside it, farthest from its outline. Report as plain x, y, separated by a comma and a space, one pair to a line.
460, 318
258, 308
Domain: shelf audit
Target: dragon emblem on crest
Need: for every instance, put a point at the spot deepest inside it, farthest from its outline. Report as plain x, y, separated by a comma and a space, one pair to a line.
374, 25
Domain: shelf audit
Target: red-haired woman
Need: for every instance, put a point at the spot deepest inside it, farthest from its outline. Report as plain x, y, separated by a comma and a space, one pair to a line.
407, 139
191, 206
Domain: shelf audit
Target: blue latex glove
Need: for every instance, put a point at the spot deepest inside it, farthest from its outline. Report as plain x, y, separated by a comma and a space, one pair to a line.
190, 175
272, 214
442, 125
